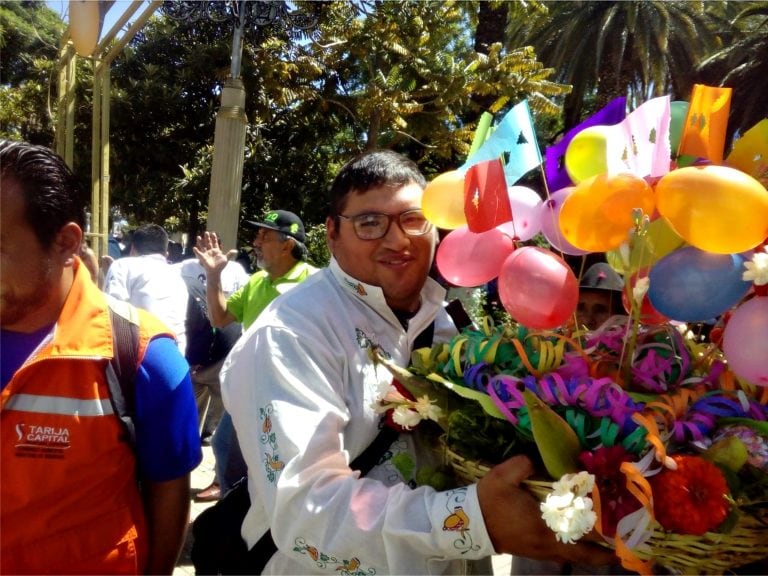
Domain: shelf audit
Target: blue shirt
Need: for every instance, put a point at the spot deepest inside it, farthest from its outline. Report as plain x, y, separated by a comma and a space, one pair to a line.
167, 437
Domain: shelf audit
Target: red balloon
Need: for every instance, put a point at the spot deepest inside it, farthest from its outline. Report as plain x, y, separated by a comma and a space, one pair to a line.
468, 259
648, 314
538, 288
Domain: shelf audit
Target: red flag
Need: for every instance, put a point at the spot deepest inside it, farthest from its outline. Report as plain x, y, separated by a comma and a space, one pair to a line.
486, 200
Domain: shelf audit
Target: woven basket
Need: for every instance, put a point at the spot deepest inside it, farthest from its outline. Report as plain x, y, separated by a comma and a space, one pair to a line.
710, 553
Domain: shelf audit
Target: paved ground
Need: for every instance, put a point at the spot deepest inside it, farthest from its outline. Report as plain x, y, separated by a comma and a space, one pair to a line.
202, 476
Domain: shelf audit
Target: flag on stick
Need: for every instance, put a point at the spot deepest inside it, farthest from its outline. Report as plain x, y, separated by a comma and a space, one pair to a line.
706, 123
486, 200
639, 144
557, 176
514, 140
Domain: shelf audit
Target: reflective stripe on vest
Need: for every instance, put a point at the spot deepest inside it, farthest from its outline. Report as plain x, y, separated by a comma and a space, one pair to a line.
58, 405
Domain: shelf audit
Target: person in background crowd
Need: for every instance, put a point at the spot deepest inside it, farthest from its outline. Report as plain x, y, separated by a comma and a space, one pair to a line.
208, 346
76, 496
281, 257
599, 296
148, 281
301, 387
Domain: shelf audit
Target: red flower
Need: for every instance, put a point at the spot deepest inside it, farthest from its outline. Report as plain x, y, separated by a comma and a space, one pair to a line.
691, 499
615, 500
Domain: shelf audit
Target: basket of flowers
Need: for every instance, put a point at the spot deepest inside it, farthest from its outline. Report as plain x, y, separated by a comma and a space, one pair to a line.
651, 429
677, 476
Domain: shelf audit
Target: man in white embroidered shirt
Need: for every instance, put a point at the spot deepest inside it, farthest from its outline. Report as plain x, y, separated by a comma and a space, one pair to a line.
300, 433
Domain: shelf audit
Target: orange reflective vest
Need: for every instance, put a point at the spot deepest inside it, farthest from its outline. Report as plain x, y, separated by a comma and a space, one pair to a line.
69, 498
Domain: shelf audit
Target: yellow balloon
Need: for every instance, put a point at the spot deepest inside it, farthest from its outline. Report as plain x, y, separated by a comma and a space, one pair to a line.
659, 240
714, 208
443, 201
597, 216
586, 153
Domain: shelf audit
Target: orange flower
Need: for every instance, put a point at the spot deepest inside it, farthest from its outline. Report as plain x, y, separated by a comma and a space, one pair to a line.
691, 499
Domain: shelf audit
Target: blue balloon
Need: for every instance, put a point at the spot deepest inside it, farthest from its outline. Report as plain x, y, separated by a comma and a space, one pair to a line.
691, 285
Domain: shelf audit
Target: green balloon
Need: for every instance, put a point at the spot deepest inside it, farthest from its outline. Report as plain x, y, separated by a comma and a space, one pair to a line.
678, 113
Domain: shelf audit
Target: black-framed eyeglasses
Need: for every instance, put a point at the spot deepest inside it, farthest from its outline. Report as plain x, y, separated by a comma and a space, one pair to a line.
372, 226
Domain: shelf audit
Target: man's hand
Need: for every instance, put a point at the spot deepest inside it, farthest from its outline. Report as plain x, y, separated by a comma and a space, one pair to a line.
210, 254
513, 519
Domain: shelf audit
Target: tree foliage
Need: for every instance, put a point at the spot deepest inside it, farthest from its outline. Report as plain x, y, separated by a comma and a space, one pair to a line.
29, 38
742, 64
412, 76
637, 48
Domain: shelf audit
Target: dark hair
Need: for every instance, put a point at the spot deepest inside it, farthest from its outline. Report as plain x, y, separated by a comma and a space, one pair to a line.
150, 239
370, 170
299, 251
52, 195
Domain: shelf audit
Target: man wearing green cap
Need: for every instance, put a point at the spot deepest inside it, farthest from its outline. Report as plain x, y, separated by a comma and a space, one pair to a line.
281, 257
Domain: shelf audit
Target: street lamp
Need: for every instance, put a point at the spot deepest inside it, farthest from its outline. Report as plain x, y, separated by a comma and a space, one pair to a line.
229, 136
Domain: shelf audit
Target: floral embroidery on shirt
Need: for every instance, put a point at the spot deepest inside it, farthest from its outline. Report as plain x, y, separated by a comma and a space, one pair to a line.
369, 343
272, 463
457, 520
398, 464
351, 567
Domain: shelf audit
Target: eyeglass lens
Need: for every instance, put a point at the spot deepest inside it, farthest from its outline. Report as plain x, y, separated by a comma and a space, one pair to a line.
374, 226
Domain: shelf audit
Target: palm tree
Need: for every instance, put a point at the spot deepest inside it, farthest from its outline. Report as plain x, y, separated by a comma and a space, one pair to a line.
743, 66
637, 48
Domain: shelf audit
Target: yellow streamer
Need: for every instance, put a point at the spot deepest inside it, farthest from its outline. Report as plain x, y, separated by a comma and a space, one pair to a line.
456, 355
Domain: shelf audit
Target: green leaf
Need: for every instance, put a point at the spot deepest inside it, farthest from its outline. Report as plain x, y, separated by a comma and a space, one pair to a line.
557, 442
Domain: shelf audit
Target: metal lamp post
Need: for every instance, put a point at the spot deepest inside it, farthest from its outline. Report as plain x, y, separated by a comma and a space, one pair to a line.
231, 121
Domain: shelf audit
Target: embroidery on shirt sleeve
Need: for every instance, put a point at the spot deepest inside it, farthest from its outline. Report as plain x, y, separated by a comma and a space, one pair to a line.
351, 567
272, 463
457, 520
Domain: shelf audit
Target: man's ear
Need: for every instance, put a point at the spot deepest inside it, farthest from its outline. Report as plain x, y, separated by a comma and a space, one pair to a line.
332, 232
67, 243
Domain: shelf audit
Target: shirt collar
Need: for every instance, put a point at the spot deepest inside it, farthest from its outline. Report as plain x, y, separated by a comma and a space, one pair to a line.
373, 296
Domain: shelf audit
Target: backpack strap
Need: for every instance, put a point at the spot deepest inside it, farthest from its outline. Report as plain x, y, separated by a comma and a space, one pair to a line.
120, 371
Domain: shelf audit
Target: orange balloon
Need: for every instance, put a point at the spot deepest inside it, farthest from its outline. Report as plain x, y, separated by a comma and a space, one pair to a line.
443, 201
714, 208
597, 216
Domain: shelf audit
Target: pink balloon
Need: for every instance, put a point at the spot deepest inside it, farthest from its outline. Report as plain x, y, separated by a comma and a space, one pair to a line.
526, 214
745, 341
537, 288
468, 259
550, 222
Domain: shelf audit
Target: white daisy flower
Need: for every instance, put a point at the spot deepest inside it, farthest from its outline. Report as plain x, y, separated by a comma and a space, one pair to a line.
757, 269
568, 509
427, 409
405, 417
640, 289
